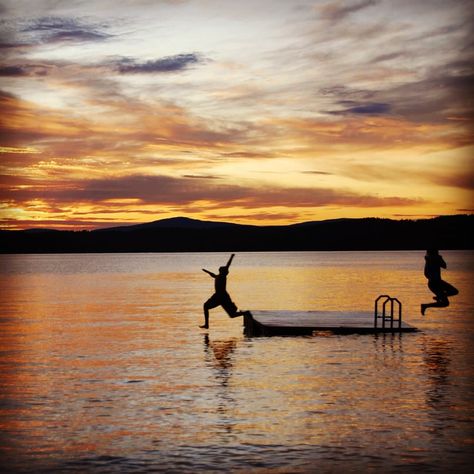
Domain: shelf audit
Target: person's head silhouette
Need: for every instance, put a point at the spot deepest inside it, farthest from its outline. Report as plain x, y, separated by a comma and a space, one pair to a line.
223, 270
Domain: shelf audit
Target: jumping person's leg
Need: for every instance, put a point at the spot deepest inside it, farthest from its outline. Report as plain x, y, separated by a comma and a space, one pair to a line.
212, 302
441, 295
449, 290
229, 306
206, 317
440, 303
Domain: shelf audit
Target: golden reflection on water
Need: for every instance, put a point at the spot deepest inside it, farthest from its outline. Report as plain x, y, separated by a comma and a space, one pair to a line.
112, 364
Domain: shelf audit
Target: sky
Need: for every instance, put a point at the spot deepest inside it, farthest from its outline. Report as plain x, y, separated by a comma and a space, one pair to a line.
256, 112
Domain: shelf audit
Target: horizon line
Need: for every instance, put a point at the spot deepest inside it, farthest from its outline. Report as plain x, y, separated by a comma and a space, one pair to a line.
106, 226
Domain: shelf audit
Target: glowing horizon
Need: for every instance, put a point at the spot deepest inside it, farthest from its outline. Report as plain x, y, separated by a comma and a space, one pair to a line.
270, 112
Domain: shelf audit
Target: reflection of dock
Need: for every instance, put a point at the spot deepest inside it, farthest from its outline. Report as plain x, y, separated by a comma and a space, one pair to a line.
289, 323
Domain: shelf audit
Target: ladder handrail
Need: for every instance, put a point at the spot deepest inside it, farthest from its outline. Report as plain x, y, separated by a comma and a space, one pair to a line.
388, 317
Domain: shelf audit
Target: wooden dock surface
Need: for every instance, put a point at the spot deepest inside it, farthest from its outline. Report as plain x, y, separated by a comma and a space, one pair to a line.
268, 323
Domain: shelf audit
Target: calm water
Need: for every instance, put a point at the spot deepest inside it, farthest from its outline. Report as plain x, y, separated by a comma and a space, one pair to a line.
104, 369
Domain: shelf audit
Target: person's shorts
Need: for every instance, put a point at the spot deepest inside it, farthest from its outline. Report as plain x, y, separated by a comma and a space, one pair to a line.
442, 288
222, 300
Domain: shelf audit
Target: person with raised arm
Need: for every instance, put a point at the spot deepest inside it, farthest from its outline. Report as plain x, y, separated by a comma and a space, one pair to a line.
220, 296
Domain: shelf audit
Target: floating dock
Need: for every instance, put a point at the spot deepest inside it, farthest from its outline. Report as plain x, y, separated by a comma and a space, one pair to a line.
295, 323
387, 317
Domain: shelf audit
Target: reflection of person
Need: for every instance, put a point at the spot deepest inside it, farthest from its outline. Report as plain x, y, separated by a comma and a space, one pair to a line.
442, 289
220, 296
222, 351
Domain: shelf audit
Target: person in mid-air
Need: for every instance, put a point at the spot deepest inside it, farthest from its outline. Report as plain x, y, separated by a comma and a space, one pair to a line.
434, 262
220, 296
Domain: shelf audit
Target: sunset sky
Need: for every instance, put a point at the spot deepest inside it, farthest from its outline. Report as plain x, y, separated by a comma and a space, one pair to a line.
249, 111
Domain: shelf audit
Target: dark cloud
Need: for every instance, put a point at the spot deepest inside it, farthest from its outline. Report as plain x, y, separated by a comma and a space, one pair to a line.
375, 108
166, 64
59, 29
76, 35
371, 108
201, 176
158, 189
166, 190
25, 70
316, 172
10, 45
13, 71
246, 154
443, 93
387, 57
463, 181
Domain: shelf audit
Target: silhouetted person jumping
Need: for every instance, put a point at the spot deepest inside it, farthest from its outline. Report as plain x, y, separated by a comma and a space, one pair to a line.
220, 296
442, 289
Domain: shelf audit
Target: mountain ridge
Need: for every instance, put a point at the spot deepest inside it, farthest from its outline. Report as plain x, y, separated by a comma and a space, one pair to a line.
190, 223
181, 222
171, 222
191, 235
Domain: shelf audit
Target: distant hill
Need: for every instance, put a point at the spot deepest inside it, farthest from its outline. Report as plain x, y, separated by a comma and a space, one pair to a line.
172, 223
189, 235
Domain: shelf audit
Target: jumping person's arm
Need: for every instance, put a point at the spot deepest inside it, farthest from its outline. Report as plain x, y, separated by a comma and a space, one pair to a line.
230, 260
213, 275
442, 263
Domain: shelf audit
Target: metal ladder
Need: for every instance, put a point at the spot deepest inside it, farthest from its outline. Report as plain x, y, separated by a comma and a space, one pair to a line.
385, 315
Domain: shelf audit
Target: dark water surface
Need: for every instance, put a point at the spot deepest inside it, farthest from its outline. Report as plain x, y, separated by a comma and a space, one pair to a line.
104, 369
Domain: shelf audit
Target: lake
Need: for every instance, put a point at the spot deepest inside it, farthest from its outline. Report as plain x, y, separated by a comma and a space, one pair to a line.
104, 369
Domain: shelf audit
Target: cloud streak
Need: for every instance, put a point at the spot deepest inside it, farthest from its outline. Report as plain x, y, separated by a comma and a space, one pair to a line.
175, 63
374, 108
59, 29
166, 191
13, 71
336, 11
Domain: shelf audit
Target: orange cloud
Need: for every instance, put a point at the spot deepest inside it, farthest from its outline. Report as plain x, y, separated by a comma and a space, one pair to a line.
370, 132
